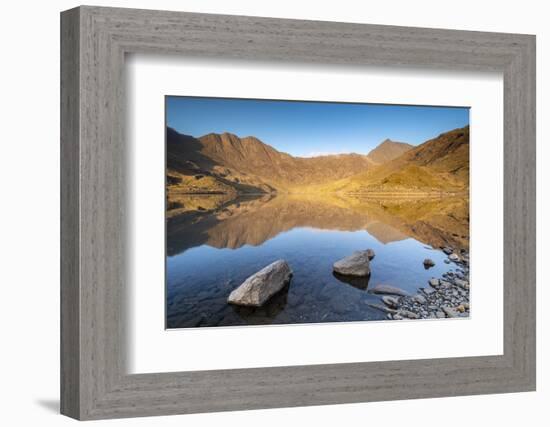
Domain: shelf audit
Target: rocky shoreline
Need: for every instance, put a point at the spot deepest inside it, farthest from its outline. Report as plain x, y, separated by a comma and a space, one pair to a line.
443, 297
447, 296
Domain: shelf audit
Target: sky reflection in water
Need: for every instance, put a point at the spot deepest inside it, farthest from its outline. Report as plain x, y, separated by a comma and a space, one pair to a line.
212, 253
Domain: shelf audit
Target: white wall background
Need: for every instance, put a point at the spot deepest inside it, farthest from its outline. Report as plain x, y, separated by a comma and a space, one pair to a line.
29, 225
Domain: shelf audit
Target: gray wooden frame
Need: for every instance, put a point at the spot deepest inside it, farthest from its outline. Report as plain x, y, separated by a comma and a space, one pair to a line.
94, 41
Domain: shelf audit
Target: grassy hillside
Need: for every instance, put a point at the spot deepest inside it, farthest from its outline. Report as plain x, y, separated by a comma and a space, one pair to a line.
438, 165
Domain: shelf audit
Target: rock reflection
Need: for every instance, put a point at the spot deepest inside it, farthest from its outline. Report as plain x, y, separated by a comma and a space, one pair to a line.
360, 283
267, 313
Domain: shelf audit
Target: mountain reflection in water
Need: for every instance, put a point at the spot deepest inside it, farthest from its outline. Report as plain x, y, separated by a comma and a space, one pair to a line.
214, 243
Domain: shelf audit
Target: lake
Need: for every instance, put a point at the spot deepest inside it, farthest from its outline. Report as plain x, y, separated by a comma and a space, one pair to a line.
215, 242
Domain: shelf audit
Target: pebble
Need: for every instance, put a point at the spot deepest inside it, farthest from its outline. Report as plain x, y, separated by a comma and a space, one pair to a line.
419, 299
391, 302
381, 308
444, 284
461, 283
445, 297
449, 312
409, 314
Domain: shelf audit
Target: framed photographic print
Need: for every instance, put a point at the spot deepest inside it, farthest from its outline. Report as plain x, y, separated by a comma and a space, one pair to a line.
344, 212
317, 221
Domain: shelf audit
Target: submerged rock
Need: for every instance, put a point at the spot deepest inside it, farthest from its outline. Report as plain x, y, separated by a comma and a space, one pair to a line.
389, 290
357, 264
340, 307
357, 282
261, 286
428, 263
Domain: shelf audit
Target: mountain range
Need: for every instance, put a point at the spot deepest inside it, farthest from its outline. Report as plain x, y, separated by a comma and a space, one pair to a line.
226, 164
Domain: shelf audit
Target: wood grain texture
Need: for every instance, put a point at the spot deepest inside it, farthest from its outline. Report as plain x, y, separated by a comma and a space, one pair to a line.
94, 382
70, 314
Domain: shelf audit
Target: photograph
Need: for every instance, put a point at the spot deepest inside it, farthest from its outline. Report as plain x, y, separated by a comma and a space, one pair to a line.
283, 212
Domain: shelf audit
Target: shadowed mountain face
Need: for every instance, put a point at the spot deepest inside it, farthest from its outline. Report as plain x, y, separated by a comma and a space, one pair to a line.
246, 165
195, 167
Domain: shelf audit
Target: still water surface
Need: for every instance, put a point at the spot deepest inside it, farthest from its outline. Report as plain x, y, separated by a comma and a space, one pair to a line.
214, 245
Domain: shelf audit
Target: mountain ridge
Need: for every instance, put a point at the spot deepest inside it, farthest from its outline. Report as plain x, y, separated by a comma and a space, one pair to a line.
223, 163
250, 161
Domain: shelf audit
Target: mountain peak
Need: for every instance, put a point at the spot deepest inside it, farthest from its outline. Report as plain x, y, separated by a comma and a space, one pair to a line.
388, 150
229, 135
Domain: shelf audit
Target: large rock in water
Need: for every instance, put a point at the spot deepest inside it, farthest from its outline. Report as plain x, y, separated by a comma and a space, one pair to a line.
357, 264
261, 286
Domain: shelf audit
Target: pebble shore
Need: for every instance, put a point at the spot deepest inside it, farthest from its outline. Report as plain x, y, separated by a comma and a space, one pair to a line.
443, 297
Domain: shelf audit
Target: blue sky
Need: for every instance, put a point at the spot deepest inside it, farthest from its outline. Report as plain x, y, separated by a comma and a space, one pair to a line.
312, 128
